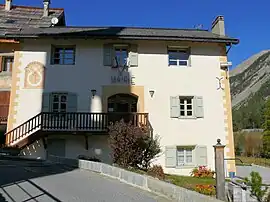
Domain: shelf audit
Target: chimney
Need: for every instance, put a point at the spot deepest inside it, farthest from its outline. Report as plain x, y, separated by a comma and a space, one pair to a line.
218, 26
8, 5
46, 4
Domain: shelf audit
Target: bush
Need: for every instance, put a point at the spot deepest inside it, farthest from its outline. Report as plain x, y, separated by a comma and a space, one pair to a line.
256, 185
88, 158
205, 189
132, 146
156, 171
202, 171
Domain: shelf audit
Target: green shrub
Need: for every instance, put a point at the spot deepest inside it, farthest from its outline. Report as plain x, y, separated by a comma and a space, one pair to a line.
256, 186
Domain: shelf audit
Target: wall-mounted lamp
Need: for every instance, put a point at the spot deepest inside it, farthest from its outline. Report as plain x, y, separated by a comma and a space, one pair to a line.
93, 91
152, 92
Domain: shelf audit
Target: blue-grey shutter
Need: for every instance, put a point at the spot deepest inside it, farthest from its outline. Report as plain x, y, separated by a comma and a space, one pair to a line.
198, 106
46, 102
201, 155
107, 55
174, 106
72, 102
170, 156
133, 55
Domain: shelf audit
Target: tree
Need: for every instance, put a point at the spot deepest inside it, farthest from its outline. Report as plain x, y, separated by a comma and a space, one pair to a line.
132, 146
266, 133
256, 186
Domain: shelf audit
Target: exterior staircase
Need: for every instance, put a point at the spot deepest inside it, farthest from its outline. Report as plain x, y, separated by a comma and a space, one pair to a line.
46, 123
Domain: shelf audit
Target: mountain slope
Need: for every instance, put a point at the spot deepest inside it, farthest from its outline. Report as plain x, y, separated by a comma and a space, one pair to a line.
250, 86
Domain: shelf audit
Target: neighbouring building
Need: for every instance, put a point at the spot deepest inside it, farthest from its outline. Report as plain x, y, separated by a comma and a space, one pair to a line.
69, 82
12, 19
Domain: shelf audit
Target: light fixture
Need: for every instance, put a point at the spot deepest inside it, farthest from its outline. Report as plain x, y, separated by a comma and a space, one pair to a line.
93, 91
152, 92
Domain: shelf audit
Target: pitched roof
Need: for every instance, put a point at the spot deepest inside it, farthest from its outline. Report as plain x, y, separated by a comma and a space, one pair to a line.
26, 16
124, 33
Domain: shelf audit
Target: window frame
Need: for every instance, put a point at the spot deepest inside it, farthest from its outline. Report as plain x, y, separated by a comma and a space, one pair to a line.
186, 110
3, 60
53, 52
178, 49
185, 148
120, 46
59, 102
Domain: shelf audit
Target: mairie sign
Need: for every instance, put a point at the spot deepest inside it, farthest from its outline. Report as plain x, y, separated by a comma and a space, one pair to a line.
123, 79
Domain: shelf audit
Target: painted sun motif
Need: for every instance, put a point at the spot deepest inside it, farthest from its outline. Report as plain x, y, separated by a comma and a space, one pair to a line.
34, 74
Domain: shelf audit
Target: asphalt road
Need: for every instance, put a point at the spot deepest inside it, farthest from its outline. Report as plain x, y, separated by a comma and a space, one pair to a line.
31, 181
244, 171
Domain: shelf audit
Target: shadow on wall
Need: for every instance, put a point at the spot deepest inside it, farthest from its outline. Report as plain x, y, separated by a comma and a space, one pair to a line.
17, 184
2, 199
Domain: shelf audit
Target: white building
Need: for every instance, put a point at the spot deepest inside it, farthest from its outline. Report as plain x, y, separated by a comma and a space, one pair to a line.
176, 80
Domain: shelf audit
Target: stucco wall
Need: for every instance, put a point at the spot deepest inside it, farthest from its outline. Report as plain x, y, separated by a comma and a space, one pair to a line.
153, 73
74, 146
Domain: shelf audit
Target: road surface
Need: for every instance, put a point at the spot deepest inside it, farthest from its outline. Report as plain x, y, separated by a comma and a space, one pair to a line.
32, 181
244, 171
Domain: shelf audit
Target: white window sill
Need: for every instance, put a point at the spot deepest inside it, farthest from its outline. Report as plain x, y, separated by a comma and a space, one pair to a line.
187, 117
183, 66
189, 166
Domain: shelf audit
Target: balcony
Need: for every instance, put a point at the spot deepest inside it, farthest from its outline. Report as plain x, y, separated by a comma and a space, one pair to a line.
47, 122
88, 122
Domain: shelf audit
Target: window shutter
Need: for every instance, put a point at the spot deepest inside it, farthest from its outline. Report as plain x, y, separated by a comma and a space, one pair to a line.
175, 106
198, 106
107, 55
133, 55
72, 102
170, 156
46, 102
201, 155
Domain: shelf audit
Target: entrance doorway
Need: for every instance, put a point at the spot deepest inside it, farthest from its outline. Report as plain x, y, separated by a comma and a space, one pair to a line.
122, 106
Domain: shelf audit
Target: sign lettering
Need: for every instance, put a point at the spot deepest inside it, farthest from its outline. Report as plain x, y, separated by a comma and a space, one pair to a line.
122, 80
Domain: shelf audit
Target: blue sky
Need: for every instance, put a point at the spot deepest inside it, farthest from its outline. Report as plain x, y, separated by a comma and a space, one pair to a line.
244, 19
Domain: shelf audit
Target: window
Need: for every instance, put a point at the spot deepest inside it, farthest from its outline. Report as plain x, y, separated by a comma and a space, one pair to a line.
120, 55
178, 57
186, 106
184, 156
64, 55
7, 64
59, 103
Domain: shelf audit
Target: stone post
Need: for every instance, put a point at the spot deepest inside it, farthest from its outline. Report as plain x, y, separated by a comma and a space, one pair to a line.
220, 172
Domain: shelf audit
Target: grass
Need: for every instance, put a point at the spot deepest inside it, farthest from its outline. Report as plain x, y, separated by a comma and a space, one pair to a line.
189, 182
252, 160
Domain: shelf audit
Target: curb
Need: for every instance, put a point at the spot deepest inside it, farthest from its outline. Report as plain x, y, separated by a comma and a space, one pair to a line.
137, 180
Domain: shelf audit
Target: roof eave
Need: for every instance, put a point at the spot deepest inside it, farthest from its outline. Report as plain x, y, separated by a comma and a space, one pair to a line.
228, 41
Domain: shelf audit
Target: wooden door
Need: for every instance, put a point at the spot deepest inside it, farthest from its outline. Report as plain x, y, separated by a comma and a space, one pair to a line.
4, 105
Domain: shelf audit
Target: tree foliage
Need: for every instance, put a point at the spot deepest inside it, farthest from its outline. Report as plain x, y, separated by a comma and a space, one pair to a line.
132, 146
256, 186
266, 133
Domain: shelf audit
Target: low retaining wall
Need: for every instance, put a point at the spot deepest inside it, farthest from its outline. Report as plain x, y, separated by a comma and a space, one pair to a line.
142, 181
241, 193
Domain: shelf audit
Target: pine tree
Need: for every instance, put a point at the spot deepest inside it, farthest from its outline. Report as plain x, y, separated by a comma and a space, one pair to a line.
266, 133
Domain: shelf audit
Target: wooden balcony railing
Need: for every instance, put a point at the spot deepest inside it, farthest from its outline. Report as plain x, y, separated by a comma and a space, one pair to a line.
73, 122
